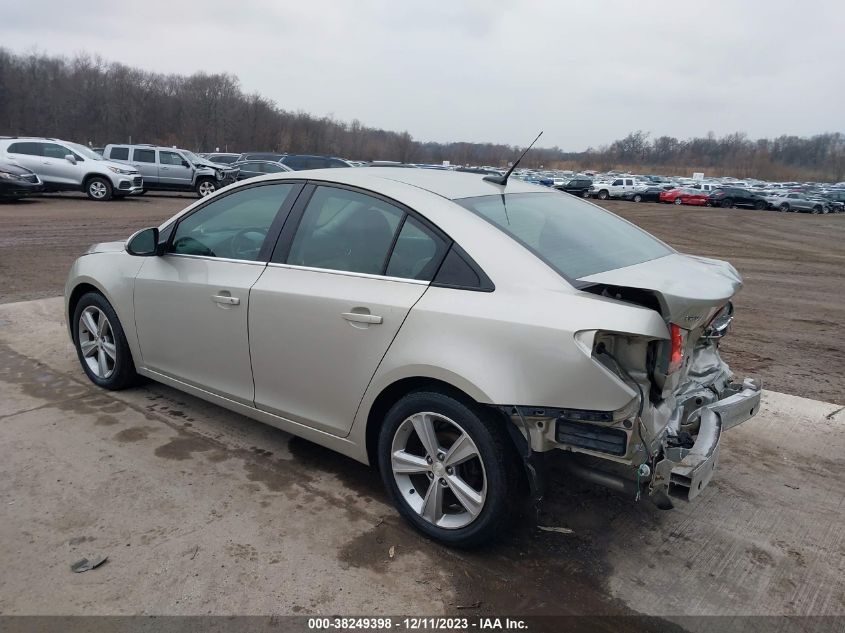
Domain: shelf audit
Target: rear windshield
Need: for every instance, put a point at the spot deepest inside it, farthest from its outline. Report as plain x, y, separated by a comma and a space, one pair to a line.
575, 238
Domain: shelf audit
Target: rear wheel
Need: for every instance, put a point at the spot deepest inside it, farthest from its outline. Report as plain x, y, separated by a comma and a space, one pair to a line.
784, 208
678, 200
817, 209
449, 468
586, 194
98, 188
727, 203
638, 197
101, 343
759, 205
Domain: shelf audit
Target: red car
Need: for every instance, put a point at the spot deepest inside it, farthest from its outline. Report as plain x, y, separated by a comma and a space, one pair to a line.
685, 196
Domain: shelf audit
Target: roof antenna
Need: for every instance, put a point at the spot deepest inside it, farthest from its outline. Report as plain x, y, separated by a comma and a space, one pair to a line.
503, 180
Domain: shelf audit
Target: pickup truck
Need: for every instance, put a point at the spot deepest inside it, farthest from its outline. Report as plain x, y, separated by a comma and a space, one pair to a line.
616, 188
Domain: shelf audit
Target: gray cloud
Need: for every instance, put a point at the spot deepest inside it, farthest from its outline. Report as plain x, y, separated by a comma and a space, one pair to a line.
486, 71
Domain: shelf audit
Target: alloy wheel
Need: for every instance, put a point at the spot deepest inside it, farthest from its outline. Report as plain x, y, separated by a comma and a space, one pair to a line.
206, 188
96, 342
97, 189
438, 470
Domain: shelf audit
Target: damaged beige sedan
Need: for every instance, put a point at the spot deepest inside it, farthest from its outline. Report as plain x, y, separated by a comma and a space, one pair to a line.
452, 330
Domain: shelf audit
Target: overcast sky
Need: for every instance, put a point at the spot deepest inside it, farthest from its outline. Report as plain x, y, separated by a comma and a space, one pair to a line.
586, 72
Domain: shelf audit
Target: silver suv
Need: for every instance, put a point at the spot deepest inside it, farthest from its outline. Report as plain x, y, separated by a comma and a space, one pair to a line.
66, 166
172, 169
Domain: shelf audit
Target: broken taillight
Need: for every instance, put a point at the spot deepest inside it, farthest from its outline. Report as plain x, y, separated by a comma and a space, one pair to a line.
676, 355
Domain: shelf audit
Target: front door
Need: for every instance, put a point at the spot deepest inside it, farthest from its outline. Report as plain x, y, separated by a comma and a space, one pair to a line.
323, 315
174, 171
191, 304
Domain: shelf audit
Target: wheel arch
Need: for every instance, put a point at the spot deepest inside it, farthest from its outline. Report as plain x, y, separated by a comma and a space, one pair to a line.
396, 390
80, 289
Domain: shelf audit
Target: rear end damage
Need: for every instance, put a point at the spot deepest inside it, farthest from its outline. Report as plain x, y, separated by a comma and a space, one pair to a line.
664, 443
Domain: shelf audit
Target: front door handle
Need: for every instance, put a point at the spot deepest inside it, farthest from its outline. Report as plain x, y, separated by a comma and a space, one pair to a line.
223, 299
357, 317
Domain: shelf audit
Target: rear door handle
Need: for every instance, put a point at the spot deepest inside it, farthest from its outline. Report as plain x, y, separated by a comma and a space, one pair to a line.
229, 301
357, 317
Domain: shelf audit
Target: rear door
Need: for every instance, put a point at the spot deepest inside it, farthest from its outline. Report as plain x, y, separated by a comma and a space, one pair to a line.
29, 154
191, 304
348, 269
145, 161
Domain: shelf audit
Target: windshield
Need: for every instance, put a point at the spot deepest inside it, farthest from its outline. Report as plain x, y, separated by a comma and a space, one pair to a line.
85, 152
192, 157
575, 238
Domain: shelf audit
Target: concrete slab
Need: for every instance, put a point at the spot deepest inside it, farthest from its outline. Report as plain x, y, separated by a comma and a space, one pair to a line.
202, 511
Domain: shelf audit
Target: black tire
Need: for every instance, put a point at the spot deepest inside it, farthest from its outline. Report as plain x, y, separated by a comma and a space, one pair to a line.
602, 195
727, 203
586, 194
817, 209
678, 200
759, 205
205, 187
784, 208
496, 452
99, 189
123, 373
141, 193
638, 197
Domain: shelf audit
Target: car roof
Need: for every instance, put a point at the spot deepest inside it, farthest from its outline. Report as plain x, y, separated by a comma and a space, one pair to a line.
452, 185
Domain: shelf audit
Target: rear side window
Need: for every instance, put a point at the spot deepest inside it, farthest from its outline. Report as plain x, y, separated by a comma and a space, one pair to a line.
416, 254
345, 230
119, 153
28, 149
144, 155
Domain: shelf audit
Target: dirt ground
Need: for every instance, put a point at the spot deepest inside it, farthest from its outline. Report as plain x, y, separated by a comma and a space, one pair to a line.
788, 316
201, 511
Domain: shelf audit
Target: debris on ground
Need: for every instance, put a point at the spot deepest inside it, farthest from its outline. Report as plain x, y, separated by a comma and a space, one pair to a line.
561, 530
86, 564
392, 551
474, 605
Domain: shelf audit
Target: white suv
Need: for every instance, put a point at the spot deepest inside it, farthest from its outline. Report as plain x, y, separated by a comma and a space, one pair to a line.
65, 166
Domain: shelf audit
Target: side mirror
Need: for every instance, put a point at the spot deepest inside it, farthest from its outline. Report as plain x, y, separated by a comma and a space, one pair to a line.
144, 243
70, 158
185, 163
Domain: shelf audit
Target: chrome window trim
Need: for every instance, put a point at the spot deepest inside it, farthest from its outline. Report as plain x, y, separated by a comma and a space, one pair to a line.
217, 259
348, 273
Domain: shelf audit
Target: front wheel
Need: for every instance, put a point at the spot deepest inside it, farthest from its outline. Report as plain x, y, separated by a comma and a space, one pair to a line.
602, 194
638, 198
450, 468
816, 210
728, 204
678, 201
586, 194
784, 208
98, 189
206, 187
759, 205
101, 344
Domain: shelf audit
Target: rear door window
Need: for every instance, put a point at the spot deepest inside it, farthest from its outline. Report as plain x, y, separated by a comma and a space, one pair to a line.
346, 231
144, 155
119, 153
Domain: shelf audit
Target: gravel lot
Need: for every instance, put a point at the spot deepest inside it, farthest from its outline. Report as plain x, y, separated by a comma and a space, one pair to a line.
204, 511
788, 314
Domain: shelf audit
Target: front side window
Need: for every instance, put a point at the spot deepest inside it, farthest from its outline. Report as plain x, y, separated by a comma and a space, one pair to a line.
616, 183
345, 230
52, 150
574, 238
233, 226
144, 155
170, 158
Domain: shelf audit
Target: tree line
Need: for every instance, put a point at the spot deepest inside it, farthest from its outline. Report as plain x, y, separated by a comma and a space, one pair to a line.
90, 100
